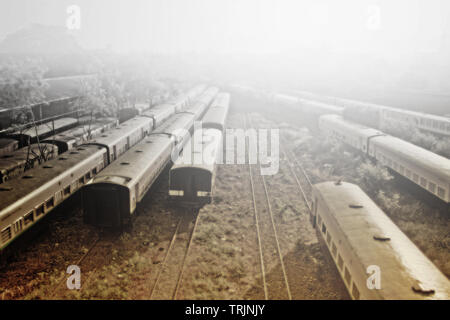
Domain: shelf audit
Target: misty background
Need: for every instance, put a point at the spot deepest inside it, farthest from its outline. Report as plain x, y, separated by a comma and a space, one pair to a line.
394, 52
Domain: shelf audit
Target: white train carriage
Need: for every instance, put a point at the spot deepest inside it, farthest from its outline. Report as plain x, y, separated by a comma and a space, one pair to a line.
425, 168
353, 134
124, 136
216, 115
110, 199
26, 200
191, 178
427, 122
364, 242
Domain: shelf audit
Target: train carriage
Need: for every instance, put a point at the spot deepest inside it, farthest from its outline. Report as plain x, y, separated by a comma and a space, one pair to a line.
356, 135
202, 104
216, 115
191, 178
364, 242
26, 200
424, 168
124, 136
110, 199
77, 136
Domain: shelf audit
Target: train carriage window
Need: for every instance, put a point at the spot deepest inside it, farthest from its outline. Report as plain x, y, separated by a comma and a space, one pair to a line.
348, 277
423, 182
432, 187
50, 203
87, 176
40, 210
6, 234
94, 171
355, 292
28, 218
324, 228
81, 180
340, 262
441, 192
334, 249
67, 190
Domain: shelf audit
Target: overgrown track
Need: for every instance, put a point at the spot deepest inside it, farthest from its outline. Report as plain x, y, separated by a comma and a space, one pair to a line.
167, 285
274, 278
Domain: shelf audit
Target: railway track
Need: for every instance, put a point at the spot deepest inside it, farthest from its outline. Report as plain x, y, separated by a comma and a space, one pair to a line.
274, 277
166, 285
93, 250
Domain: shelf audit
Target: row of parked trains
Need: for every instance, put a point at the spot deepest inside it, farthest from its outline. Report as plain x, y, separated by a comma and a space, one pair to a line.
422, 167
26, 199
111, 197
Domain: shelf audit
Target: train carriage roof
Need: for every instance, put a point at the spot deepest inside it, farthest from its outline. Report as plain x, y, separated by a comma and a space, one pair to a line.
112, 136
351, 127
403, 266
48, 127
135, 162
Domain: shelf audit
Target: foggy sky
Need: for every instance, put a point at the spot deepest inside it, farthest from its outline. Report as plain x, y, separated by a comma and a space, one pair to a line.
248, 26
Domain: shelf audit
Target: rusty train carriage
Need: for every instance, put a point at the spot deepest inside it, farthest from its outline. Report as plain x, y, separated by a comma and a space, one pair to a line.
23, 204
359, 235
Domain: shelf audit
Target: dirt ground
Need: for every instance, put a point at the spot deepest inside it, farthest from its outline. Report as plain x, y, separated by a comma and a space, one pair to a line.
223, 261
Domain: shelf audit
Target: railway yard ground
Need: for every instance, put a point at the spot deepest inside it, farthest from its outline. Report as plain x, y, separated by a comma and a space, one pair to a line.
227, 249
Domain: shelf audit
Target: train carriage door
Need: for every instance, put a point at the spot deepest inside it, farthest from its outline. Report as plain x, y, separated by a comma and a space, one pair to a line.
314, 212
114, 155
